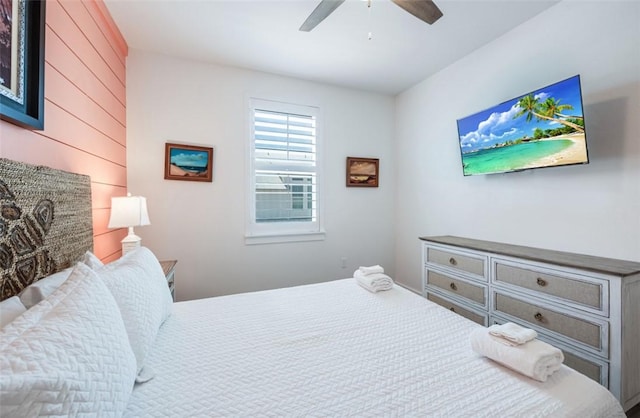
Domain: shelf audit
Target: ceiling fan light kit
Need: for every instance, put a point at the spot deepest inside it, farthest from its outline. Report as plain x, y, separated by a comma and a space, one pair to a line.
425, 10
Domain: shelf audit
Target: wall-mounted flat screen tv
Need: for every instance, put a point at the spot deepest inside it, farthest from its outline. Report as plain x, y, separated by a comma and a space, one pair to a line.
544, 128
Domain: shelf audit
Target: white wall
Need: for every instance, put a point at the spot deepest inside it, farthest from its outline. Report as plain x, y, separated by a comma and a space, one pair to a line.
592, 209
202, 224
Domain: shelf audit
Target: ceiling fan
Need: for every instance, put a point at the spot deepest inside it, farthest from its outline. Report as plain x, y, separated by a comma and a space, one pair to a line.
425, 10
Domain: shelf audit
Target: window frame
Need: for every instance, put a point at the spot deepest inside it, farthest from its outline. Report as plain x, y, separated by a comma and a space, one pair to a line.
276, 232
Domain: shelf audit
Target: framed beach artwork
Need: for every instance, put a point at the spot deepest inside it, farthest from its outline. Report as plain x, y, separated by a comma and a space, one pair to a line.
362, 172
188, 162
22, 62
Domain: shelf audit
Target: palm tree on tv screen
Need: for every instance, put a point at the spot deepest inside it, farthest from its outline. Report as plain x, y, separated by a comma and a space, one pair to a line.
551, 107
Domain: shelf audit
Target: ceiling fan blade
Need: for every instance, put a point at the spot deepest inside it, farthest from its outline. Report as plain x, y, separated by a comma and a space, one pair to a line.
425, 10
324, 9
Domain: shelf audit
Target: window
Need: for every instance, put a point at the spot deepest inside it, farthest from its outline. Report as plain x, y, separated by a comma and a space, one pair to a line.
284, 173
302, 196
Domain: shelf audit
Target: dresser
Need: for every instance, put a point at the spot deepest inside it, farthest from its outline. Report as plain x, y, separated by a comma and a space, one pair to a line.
587, 306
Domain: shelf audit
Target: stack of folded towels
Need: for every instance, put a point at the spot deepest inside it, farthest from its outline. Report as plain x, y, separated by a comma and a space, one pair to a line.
373, 278
517, 348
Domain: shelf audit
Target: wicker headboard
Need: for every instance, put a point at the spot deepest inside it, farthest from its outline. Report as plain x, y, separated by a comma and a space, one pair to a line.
45, 223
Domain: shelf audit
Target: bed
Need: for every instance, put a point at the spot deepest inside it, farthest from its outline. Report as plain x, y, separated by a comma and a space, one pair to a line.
327, 349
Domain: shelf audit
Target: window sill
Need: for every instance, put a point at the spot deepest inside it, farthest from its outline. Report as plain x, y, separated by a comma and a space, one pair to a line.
281, 238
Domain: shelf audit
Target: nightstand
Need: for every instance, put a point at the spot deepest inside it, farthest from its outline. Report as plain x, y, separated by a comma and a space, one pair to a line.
169, 269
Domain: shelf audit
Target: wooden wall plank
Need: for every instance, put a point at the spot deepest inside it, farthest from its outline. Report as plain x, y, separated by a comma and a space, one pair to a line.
65, 62
112, 257
67, 96
108, 27
101, 220
18, 143
85, 23
107, 245
60, 23
101, 194
68, 129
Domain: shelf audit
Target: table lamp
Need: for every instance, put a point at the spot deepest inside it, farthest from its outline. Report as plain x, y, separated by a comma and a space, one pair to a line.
127, 212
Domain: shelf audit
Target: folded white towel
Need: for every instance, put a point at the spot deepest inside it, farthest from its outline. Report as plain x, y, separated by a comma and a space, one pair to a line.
534, 358
512, 334
373, 282
371, 270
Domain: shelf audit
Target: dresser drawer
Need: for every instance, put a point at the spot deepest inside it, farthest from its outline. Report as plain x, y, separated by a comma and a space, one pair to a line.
589, 333
468, 263
475, 293
454, 307
596, 369
591, 369
579, 291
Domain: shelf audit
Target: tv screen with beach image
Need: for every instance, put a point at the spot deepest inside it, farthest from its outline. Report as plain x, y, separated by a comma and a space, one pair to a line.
544, 128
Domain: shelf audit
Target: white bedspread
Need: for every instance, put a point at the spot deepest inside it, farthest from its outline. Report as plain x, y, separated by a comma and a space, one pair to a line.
334, 349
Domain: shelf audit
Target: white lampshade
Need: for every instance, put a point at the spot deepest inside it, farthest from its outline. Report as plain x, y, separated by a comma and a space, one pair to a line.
127, 212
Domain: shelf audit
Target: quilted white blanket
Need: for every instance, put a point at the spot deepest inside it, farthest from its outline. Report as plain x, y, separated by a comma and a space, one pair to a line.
334, 349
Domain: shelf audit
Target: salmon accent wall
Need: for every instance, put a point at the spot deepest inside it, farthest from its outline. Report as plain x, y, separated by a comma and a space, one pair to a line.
85, 109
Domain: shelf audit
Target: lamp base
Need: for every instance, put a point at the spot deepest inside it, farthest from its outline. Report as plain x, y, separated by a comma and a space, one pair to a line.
127, 247
130, 242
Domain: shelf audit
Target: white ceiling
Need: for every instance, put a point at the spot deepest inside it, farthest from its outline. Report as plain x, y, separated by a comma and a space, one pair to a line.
263, 35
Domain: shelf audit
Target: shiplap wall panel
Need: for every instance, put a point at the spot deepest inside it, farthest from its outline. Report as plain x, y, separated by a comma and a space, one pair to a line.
66, 95
111, 258
108, 244
85, 109
67, 128
102, 18
100, 221
101, 194
78, 12
62, 24
63, 59
43, 150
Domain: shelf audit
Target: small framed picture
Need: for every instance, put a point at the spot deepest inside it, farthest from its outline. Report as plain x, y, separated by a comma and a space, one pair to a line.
188, 162
362, 172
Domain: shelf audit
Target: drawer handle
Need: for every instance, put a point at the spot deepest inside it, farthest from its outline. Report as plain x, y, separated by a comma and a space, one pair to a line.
538, 316
541, 282
452, 309
453, 261
453, 286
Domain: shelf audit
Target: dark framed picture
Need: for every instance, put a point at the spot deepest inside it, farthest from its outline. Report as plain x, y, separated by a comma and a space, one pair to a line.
188, 162
362, 172
22, 62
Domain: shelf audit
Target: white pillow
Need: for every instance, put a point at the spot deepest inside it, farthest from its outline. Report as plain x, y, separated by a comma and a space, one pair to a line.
10, 309
69, 355
92, 261
38, 291
139, 286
